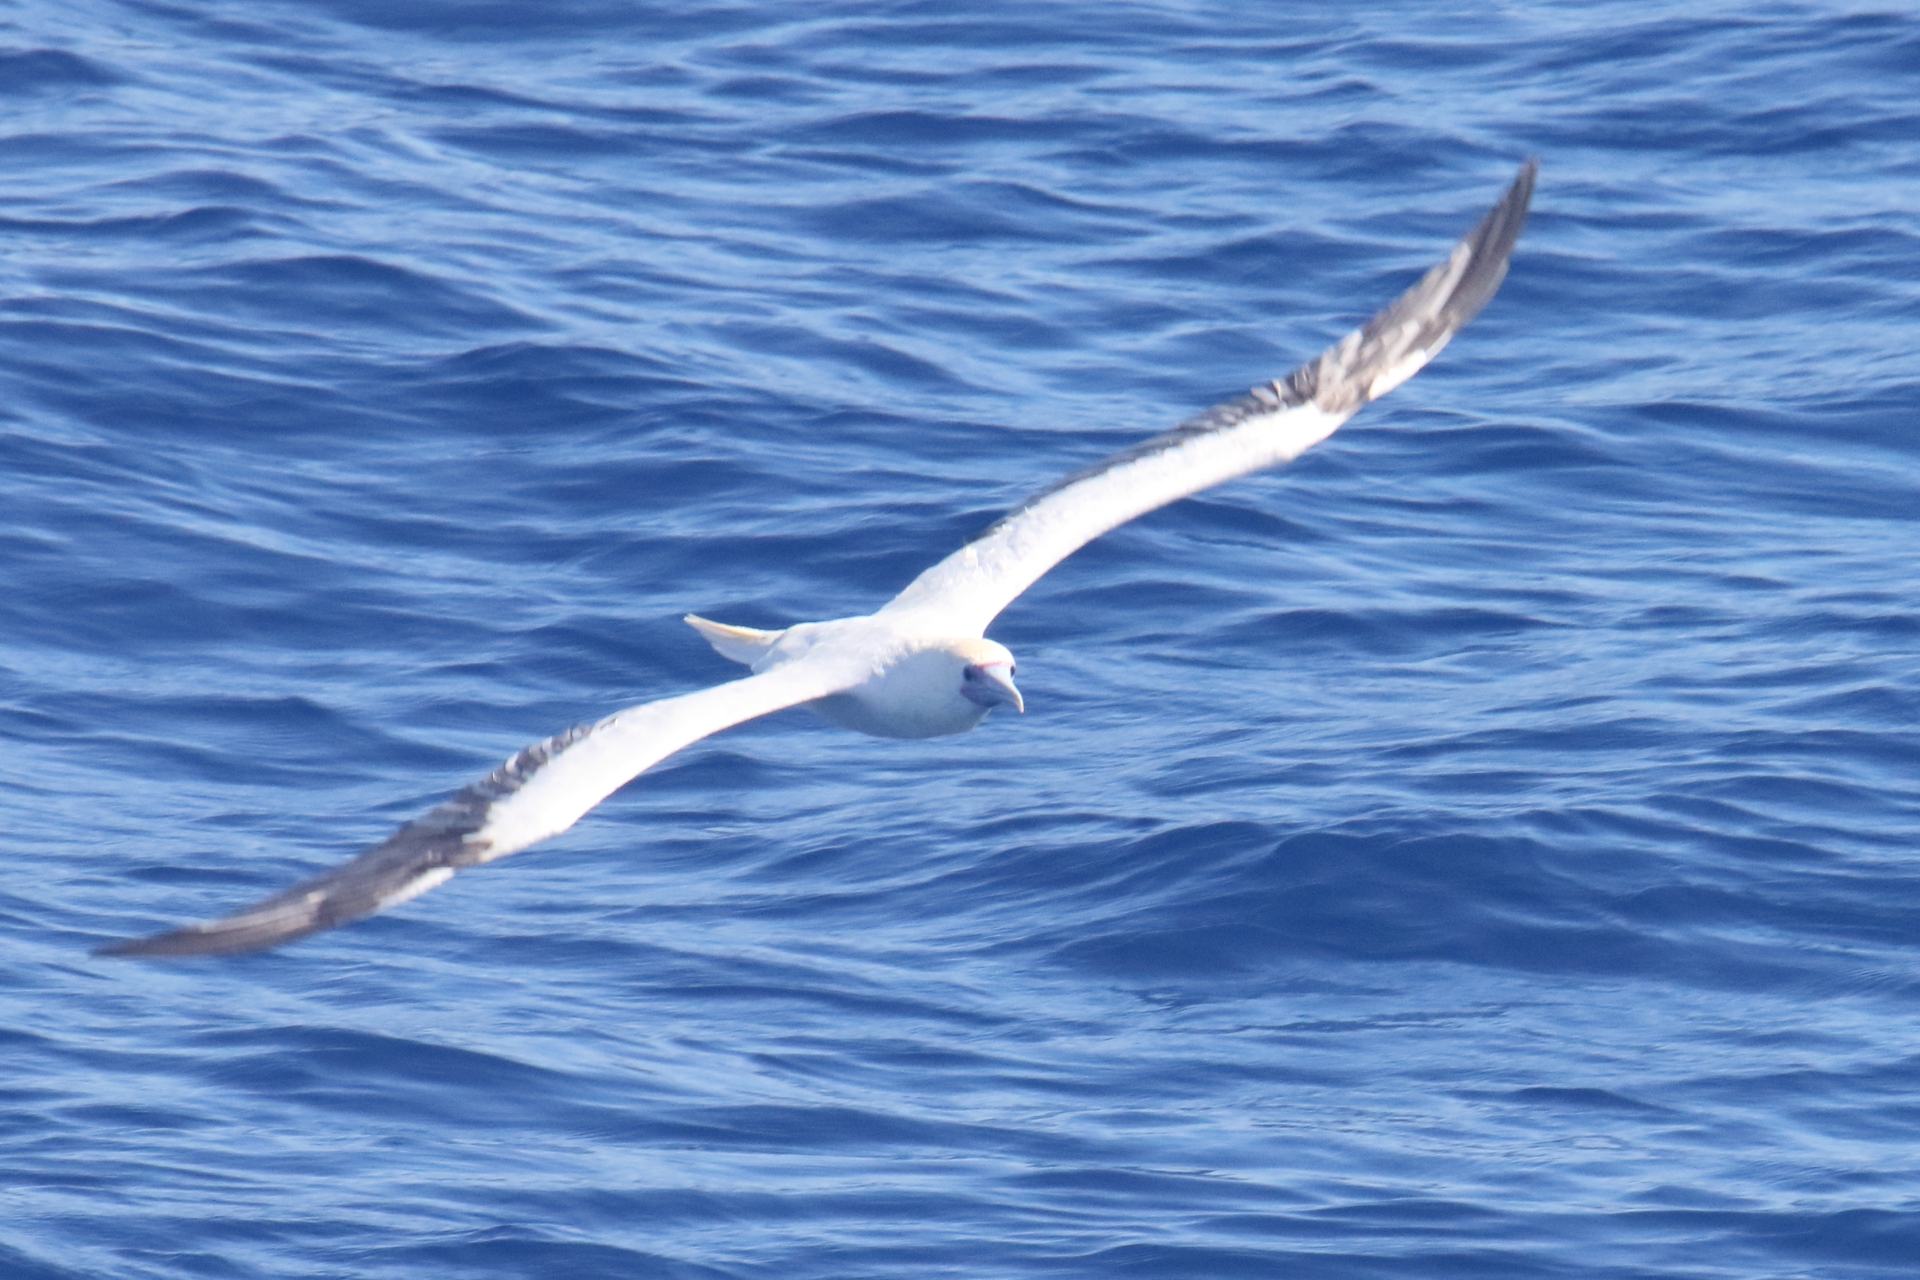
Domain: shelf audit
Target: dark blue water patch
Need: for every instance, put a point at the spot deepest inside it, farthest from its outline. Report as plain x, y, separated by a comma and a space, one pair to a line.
1167, 146
589, 19
1823, 128
125, 380
1309, 1263
1582, 1099
1001, 26
213, 224
1702, 423
1381, 632
516, 1250
768, 88
216, 186
348, 290
1290, 262
32, 150
38, 70
1837, 1239
936, 219
463, 96
1892, 708
864, 354
927, 133
556, 144
27, 1267
1853, 251
1478, 451
532, 390
279, 1060
1462, 899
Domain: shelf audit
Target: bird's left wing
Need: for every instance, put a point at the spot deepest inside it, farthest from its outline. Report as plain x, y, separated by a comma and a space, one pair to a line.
539, 792
1275, 423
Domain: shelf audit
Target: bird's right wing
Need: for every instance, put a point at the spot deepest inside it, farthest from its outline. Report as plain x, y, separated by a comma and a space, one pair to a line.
539, 792
1273, 424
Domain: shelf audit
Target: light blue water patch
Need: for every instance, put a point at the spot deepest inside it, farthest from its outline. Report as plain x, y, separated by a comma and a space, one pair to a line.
1483, 848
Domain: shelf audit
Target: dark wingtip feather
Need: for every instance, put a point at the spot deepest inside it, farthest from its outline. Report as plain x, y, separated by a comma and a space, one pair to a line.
1376, 357
1492, 244
221, 937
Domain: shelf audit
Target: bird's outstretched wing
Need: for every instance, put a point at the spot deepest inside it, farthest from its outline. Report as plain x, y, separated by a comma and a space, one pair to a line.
540, 792
1273, 424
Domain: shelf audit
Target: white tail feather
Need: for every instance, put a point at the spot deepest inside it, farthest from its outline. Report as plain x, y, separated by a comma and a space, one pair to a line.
740, 644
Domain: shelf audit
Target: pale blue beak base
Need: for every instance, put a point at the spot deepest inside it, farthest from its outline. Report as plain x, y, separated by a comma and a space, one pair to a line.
989, 684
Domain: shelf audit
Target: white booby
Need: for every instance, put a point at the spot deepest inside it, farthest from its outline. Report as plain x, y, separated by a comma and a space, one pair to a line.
919, 667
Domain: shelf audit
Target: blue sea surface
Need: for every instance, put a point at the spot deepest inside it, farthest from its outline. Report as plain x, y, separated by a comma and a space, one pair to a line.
1485, 848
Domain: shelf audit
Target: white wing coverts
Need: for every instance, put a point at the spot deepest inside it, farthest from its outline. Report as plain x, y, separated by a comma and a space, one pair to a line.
546, 788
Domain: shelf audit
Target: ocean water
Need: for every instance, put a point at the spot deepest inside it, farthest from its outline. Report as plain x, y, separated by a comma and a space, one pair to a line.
1486, 848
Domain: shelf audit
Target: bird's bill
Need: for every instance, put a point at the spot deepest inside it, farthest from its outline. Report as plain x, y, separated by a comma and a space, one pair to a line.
990, 684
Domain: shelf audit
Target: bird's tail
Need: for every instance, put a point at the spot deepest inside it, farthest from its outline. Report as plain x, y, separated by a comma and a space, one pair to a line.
741, 644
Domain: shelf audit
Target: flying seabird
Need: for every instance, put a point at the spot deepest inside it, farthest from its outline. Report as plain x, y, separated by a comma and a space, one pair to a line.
920, 667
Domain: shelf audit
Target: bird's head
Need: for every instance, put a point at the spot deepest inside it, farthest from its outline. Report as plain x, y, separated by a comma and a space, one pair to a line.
986, 674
